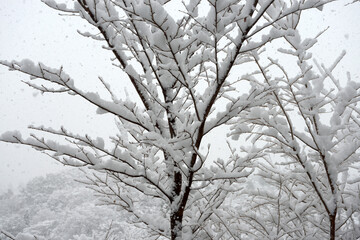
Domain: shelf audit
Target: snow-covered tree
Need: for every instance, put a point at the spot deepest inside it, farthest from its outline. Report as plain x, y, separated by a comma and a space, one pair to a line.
312, 122
185, 70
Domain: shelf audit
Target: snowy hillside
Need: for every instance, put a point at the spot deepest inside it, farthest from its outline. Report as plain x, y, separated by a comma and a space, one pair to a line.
58, 208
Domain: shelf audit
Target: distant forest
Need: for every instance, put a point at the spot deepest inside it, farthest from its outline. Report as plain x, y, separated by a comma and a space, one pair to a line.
59, 208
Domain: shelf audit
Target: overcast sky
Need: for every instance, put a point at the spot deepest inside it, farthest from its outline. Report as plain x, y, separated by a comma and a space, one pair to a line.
29, 29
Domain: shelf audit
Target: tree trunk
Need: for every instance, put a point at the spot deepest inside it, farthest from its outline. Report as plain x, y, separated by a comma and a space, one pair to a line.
176, 225
332, 226
177, 212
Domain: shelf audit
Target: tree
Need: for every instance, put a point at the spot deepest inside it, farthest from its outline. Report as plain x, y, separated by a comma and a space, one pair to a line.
313, 122
184, 71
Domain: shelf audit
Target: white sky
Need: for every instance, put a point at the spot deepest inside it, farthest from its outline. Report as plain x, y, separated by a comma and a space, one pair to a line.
30, 29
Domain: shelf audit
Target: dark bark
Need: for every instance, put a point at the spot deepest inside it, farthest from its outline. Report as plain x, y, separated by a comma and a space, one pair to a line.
176, 216
176, 225
332, 226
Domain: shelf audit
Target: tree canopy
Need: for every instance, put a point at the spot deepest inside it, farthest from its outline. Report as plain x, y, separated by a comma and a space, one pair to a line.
205, 68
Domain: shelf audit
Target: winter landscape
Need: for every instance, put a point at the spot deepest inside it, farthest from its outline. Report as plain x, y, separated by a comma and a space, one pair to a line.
171, 119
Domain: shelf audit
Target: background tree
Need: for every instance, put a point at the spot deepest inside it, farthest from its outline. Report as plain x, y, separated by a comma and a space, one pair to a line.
184, 70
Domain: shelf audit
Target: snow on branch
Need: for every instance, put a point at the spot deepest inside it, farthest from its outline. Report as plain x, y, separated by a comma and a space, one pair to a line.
297, 125
59, 77
185, 70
